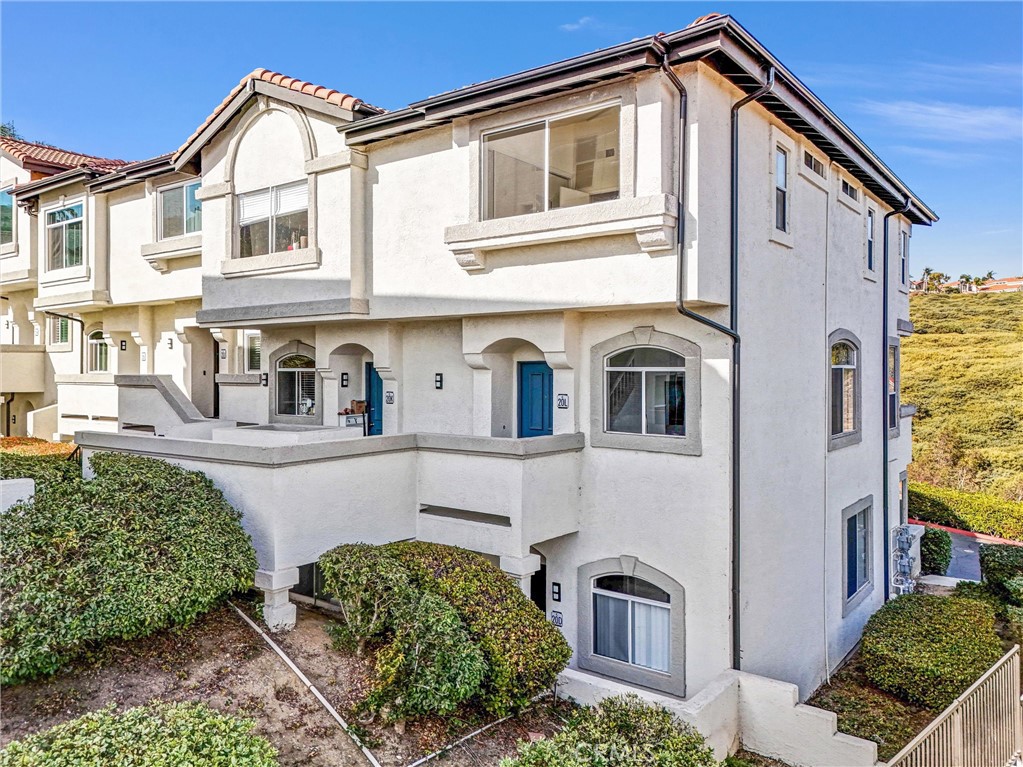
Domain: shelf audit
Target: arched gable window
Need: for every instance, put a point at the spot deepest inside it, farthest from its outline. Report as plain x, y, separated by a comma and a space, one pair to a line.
296, 385
99, 353
645, 391
844, 390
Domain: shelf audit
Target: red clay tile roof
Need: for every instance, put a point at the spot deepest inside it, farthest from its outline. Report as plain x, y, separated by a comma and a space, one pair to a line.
331, 96
59, 159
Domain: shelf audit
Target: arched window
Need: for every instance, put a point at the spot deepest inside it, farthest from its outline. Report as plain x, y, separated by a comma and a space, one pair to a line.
98, 352
645, 392
296, 385
632, 622
844, 392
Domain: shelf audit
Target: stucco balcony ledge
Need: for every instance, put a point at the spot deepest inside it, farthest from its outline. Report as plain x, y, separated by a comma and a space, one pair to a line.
22, 368
650, 219
160, 255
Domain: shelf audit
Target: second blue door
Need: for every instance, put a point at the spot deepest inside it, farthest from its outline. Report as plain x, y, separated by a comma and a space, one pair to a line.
374, 401
536, 399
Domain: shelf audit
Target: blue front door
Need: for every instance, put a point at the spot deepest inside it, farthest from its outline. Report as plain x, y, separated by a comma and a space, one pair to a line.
374, 401
536, 399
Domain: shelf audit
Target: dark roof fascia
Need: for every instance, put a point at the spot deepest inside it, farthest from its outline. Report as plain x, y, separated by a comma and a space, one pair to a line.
311, 103
33, 189
132, 174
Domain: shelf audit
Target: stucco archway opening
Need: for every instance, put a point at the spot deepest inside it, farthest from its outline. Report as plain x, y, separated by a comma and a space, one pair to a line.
357, 385
504, 359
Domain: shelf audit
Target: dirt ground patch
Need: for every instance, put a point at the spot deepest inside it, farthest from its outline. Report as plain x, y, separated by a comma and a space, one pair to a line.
219, 661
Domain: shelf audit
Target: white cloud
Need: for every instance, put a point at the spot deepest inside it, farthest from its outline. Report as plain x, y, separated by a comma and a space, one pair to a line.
948, 121
586, 22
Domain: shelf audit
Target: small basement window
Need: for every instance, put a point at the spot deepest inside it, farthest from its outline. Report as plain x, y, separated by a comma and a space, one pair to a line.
632, 622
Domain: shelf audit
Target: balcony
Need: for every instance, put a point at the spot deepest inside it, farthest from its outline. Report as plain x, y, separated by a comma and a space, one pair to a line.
303, 492
86, 401
22, 368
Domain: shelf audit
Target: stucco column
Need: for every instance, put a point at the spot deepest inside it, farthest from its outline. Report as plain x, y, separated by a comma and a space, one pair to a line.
482, 395
278, 612
521, 569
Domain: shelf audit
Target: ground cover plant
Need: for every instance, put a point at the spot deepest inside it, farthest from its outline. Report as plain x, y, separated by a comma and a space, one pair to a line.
142, 546
449, 627
961, 368
928, 649
151, 736
623, 731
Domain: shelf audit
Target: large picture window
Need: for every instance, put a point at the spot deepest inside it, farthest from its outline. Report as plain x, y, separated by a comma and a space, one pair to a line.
180, 211
64, 237
6, 217
645, 392
632, 622
99, 353
553, 163
296, 385
274, 220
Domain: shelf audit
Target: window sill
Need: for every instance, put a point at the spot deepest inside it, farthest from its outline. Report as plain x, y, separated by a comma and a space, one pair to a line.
9, 250
857, 599
854, 205
68, 274
238, 379
54, 348
870, 274
159, 254
818, 181
285, 261
649, 443
837, 441
785, 239
650, 219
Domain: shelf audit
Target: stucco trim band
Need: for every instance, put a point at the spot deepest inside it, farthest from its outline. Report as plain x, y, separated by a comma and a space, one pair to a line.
262, 312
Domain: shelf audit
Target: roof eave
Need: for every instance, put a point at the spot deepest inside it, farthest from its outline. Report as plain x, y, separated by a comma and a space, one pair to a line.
135, 173
33, 189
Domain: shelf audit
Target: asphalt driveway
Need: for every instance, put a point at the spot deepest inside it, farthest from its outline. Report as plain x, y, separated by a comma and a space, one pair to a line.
965, 558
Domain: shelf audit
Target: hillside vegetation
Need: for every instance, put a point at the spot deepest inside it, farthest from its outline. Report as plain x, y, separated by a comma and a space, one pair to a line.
963, 368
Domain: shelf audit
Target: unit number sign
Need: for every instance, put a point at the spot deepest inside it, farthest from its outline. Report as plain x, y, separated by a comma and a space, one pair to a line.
556, 619
563, 402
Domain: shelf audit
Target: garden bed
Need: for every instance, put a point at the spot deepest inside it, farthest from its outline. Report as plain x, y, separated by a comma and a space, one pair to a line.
221, 661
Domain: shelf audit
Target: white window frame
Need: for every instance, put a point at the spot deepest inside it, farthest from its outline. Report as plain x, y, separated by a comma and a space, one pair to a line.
277, 377
629, 599
12, 245
644, 370
92, 346
851, 192
854, 435
870, 252
894, 398
272, 218
47, 227
182, 185
246, 336
546, 121
52, 325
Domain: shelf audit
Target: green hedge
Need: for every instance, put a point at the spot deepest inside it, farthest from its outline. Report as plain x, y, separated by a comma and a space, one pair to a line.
142, 546
1001, 566
44, 469
620, 732
158, 735
935, 551
524, 652
978, 512
928, 649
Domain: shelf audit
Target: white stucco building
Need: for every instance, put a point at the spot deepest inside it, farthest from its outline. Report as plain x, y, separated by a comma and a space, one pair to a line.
542, 289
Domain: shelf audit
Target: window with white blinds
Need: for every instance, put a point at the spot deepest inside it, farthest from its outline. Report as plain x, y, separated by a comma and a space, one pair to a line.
296, 385
273, 220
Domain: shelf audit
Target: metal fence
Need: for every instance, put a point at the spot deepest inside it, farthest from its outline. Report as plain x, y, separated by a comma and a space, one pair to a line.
982, 728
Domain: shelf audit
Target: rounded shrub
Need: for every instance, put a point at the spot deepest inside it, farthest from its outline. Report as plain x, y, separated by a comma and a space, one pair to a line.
1001, 566
523, 651
142, 546
157, 735
935, 551
44, 469
977, 512
625, 732
367, 583
928, 649
431, 665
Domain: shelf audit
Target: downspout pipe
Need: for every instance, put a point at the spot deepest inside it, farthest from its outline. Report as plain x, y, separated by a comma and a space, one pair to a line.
7, 413
81, 327
885, 415
730, 330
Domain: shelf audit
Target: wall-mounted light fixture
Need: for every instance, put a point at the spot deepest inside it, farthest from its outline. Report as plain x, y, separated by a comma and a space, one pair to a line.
124, 346
344, 380
438, 381
264, 379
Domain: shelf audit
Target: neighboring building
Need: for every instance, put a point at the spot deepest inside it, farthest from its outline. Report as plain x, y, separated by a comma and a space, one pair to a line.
1003, 285
492, 274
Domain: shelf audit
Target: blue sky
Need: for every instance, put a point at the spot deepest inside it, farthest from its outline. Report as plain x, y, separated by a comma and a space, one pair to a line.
934, 88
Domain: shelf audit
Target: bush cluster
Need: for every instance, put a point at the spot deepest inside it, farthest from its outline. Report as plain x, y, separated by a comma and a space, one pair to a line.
44, 469
1001, 566
454, 627
978, 512
935, 551
623, 731
151, 736
524, 652
142, 546
928, 649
